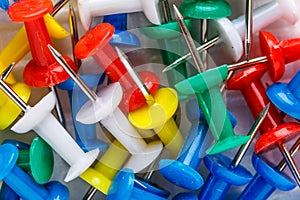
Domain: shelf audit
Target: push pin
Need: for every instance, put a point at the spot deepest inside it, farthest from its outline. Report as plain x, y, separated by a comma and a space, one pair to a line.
124, 186
121, 36
157, 113
169, 39
108, 59
267, 179
104, 108
183, 171
206, 86
22, 183
6, 193
248, 81
91, 8
185, 196
40, 119
225, 172
42, 70
286, 96
4, 4
232, 33
36, 158
18, 47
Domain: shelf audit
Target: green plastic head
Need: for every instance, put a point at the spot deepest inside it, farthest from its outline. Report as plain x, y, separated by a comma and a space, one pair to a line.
164, 31
205, 9
41, 160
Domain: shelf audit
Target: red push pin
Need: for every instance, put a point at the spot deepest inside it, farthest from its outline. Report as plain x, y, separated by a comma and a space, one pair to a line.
43, 70
274, 130
96, 43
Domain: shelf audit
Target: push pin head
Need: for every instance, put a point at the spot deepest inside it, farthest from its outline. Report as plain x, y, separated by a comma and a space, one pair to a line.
205, 9
286, 96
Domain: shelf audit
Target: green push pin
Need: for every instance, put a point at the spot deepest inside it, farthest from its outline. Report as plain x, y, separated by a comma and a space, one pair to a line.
170, 42
37, 159
206, 86
205, 9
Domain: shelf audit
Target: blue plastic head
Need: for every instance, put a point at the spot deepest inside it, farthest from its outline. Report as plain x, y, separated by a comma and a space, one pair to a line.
18, 144
8, 159
57, 191
185, 196
4, 4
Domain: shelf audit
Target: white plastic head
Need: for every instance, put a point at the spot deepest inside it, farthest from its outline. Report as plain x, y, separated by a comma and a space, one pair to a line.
92, 8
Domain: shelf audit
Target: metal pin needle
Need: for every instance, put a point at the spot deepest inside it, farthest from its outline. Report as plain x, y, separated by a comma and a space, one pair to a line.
249, 28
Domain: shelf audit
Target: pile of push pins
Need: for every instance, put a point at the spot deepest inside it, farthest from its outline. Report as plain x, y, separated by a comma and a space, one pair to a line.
144, 99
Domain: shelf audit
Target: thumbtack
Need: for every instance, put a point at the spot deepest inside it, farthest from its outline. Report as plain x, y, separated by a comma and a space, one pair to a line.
169, 38
18, 47
183, 171
267, 179
91, 8
38, 159
158, 112
206, 87
22, 183
285, 96
121, 36
40, 119
42, 70
104, 108
107, 58
124, 186
6, 193
9, 110
224, 172
185, 196
4, 4
232, 33
248, 81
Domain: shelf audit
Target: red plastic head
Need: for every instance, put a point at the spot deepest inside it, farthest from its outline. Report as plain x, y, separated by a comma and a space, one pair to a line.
271, 48
275, 136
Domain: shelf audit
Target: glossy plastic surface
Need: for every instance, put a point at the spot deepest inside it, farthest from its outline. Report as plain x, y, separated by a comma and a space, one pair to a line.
265, 181
205, 9
221, 178
286, 96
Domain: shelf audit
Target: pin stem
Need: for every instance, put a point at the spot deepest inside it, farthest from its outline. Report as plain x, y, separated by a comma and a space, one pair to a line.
280, 167
188, 56
165, 11
249, 28
290, 162
58, 6
246, 63
136, 78
73, 32
189, 40
253, 131
81, 84
90, 194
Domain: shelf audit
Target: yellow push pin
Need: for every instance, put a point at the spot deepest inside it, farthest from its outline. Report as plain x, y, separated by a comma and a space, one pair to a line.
9, 111
157, 113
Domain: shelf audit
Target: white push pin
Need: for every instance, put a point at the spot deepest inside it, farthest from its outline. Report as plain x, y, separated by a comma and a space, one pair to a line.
232, 33
92, 8
104, 107
40, 119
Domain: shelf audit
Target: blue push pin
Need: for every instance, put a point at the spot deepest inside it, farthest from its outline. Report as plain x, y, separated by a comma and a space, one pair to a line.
183, 171
125, 187
267, 180
286, 96
6, 193
226, 172
121, 35
22, 183
86, 136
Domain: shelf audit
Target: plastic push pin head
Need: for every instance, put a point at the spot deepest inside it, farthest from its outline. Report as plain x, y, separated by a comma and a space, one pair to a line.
30, 159
286, 96
123, 187
121, 35
95, 43
205, 9
91, 8
22, 183
42, 70
4, 4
